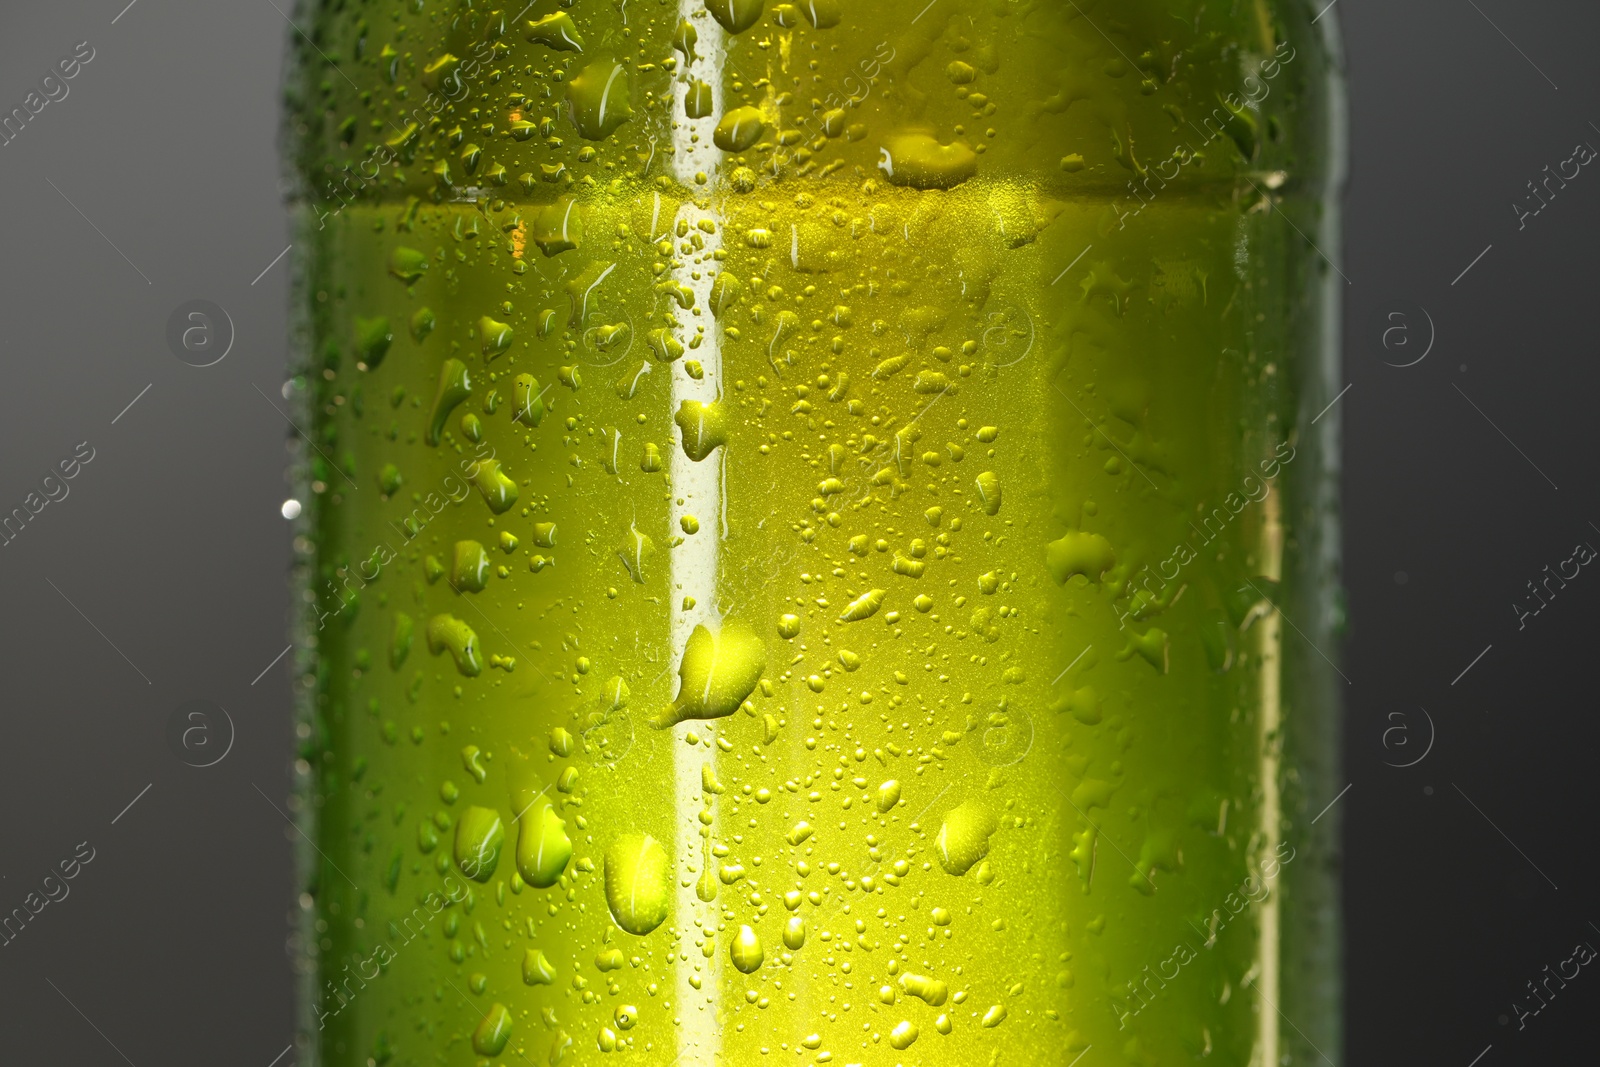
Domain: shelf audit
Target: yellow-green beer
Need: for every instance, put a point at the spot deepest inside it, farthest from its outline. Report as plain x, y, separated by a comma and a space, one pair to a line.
815, 543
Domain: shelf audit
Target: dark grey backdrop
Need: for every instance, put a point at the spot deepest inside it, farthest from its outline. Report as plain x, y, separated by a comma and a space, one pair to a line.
160, 576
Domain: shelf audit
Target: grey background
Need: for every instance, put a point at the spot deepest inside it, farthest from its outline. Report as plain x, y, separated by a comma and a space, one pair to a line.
161, 577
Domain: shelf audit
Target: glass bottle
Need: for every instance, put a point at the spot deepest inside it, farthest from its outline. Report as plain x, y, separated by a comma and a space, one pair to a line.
818, 535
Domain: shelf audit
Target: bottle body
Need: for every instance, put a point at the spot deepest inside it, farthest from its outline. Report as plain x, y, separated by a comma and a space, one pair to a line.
802, 508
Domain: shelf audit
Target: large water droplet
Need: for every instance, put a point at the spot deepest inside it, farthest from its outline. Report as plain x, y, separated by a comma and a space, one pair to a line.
989, 492
725, 293
704, 427
636, 550
555, 31
407, 264
495, 337
903, 1034
543, 847
736, 16
449, 632
717, 674
697, 100
684, 39
739, 129
638, 883
400, 639
746, 950
964, 838
931, 990
1082, 553
455, 385
598, 99
490, 1038
528, 401
558, 227
536, 969
479, 836
864, 606
498, 490
822, 14
373, 337
470, 570
921, 162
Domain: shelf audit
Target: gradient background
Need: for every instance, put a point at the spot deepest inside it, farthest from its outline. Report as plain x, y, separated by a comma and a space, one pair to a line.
161, 577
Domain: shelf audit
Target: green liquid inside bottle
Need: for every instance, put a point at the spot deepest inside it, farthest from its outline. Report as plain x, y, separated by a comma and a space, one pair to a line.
815, 541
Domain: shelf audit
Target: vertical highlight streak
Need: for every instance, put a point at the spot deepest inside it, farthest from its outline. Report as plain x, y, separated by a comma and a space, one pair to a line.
693, 562
1268, 741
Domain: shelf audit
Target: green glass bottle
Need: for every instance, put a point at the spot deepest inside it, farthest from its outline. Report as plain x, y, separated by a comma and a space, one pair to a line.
817, 532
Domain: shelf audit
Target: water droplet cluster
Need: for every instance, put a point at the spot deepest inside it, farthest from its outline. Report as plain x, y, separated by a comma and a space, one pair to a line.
972, 710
